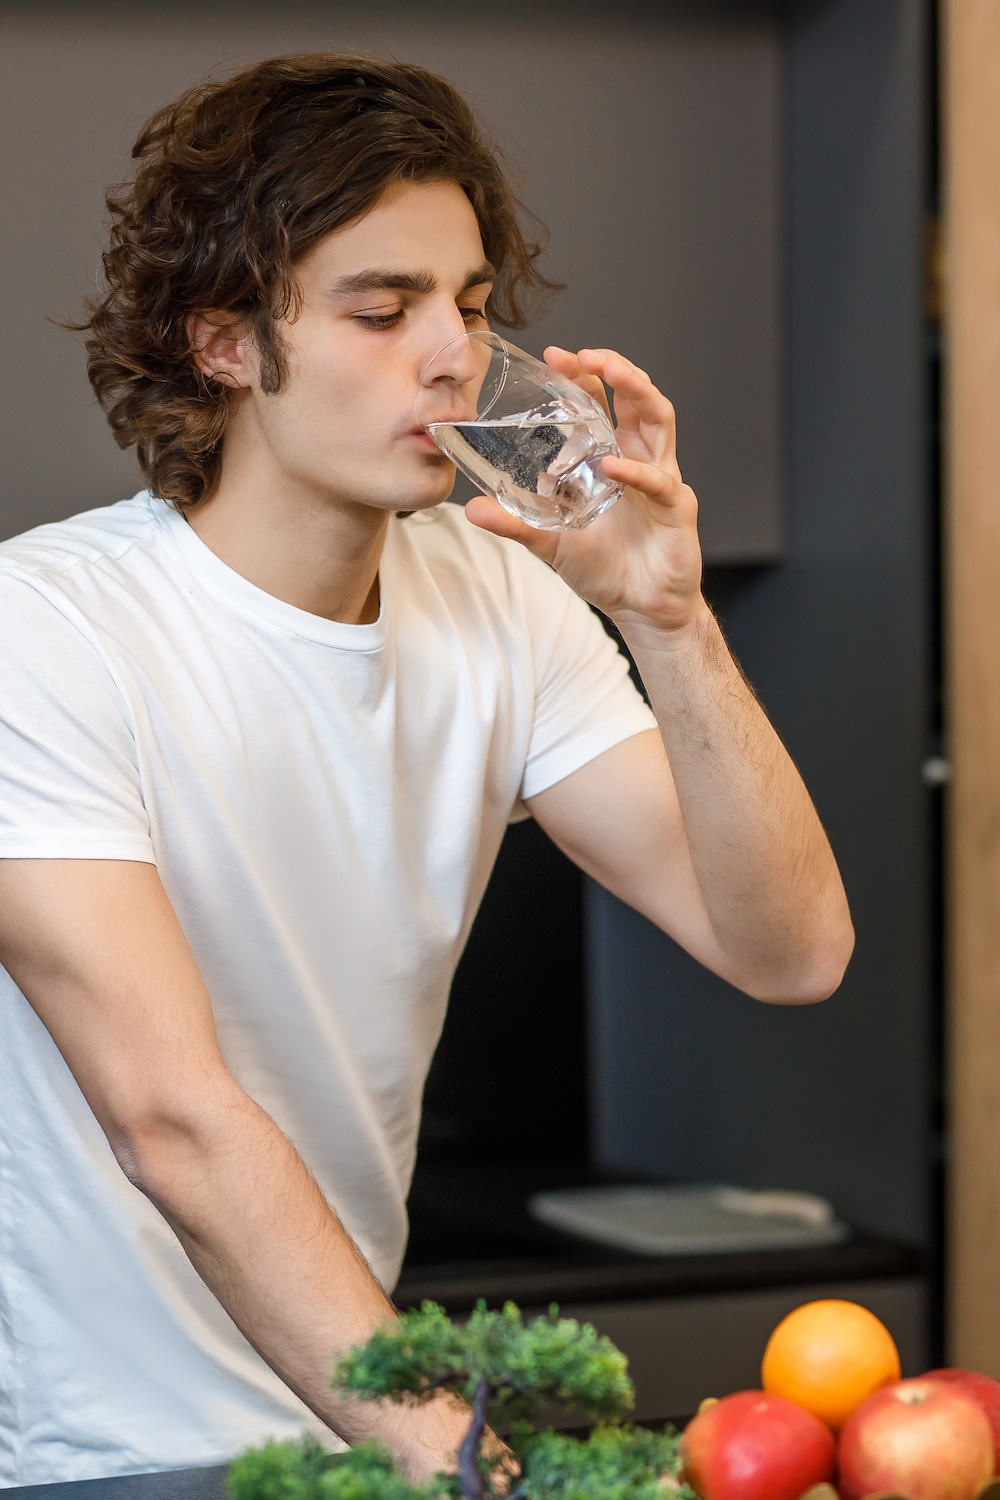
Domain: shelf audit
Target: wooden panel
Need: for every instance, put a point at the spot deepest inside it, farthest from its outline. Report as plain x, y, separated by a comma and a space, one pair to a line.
972, 181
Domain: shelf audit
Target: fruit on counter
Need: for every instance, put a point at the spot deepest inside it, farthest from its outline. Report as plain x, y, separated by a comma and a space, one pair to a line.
921, 1438
985, 1391
756, 1446
828, 1356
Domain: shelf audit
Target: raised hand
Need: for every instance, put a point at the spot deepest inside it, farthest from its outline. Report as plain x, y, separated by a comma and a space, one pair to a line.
640, 562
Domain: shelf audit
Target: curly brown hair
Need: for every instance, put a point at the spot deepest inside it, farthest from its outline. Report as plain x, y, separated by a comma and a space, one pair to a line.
235, 182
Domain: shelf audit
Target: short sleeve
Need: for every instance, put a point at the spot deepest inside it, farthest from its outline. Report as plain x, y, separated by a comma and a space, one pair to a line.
69, 782
585, 700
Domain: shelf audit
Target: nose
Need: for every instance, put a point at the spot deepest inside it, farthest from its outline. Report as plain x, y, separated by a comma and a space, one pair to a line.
453, 357
452, 378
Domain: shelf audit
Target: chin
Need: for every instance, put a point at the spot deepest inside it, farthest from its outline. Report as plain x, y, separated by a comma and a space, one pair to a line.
433, 488
405, 488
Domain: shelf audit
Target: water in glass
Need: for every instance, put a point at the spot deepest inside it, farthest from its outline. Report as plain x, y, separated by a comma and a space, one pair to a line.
544, 466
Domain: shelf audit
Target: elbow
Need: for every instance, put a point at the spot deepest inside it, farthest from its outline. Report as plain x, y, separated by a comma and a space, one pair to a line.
164, 1147
125, 1146
149, 1149
805, 988
812, 977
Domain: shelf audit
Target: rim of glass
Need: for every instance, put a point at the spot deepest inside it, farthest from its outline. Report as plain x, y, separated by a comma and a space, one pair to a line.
482, 334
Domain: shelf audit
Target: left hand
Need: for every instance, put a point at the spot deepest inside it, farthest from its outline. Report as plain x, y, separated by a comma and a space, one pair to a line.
640, 562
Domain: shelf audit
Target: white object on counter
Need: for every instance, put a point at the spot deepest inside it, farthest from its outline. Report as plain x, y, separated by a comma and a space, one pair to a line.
701, 1219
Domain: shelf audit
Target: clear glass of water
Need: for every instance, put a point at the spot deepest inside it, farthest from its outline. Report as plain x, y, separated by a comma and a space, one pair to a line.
522, 432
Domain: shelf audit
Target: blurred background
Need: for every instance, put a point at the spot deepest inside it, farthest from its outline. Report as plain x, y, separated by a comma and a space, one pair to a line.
741, 197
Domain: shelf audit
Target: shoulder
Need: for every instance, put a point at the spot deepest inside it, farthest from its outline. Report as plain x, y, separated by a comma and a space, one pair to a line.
56, 580
88, 540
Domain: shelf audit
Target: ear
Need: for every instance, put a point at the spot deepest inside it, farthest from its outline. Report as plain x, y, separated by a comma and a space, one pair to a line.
220, 349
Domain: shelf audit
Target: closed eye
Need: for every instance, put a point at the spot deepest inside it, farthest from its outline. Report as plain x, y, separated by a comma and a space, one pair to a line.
390, 320
379, 320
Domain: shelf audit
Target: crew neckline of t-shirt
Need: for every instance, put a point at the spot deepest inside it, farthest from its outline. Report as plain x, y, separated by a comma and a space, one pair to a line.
266, 608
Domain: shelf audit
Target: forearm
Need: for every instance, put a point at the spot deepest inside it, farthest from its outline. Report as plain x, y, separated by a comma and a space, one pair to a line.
764, 867
726, 850
262, 1237
97, 950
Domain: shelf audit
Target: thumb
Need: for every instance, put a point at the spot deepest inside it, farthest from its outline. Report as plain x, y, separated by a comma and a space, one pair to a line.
489, 515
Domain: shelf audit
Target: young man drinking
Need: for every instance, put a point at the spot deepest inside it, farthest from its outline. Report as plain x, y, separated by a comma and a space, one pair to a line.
261, 730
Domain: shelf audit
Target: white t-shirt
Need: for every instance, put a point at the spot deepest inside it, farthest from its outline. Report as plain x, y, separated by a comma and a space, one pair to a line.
324, 803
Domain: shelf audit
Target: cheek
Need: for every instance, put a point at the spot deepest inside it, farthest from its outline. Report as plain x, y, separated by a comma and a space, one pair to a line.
344, 392
355, 361
369, 395
327, 397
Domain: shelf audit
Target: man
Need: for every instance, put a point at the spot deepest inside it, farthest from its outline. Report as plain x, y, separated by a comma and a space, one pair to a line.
261, 730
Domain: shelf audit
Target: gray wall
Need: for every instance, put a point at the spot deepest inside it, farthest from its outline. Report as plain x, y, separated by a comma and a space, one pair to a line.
693, 1079
650, 143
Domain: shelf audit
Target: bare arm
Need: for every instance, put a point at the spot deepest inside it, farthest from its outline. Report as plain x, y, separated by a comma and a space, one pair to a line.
96, 948
745, 882
706, 828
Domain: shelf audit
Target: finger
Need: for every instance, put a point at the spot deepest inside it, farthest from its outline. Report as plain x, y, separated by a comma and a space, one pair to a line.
489, 515
568, 364
630, 384
563, 360
654, 482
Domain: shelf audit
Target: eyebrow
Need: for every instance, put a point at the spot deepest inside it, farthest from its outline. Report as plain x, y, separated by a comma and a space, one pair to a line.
387, 280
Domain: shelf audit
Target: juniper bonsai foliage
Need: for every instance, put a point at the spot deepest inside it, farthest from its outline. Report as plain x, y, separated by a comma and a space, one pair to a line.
505, 1369
508, 1371
302, 1470
615, 1463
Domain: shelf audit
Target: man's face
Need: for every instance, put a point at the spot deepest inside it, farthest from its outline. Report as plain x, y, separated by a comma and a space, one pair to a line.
379, 298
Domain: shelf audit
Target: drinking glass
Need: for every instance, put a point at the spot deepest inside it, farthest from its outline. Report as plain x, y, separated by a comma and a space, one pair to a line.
525, 434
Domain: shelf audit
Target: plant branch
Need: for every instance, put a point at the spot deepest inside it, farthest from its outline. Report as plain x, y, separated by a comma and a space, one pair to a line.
469, 1473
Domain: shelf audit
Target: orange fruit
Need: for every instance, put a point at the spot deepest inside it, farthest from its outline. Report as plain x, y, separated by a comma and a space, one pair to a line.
828, 1356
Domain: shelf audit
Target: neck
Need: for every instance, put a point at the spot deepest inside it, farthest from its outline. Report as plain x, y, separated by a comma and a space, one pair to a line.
307, 549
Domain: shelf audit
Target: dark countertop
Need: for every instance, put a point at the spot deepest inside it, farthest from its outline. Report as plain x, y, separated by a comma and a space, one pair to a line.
536, 1282
175, 1484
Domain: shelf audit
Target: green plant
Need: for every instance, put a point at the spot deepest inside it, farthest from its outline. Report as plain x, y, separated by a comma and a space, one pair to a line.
509, 1371
300, 1469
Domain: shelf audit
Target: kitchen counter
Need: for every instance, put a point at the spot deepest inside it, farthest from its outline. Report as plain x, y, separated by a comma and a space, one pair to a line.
690, 1325
472, 1236
175, 1484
